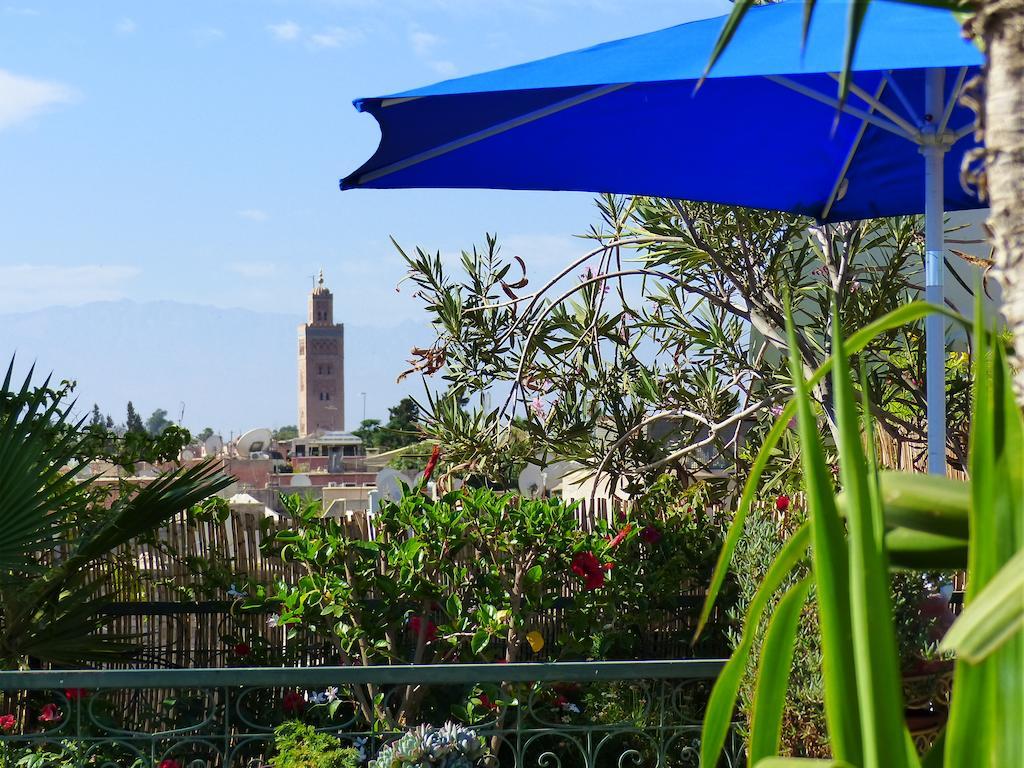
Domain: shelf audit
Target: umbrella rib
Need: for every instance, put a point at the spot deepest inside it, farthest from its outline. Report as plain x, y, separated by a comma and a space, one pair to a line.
849, 157
948, 112
874, 103
895, 87
486, 133
804, 90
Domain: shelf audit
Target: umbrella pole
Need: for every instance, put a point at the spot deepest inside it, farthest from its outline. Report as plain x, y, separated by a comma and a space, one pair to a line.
934, 151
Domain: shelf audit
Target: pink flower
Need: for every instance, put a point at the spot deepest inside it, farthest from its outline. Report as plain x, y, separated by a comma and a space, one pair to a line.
169, 763
293, 703
782, 503
7, 723
650, 535
415, 622
538, 408
74, 694
49, 713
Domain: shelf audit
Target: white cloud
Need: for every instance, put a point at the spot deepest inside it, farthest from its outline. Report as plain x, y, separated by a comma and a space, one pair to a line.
14, 10
253, 270
334, 37
254, 214
205, 35
286, 30
446, 68
423, 42
26, 287
22, 98
125, 26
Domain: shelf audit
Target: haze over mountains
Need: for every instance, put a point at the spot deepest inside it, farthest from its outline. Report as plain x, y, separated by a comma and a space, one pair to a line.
234, 369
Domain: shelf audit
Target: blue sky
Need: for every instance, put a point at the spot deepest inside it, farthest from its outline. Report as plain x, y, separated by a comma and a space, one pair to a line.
191, 150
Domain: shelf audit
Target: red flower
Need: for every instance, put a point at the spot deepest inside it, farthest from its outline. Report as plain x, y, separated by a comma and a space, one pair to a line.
169, 763
49, 713
560, 700
74, 694
486, 703
293, 703
7, 722
242, 649
782, 503
620, 536
415, 622
431, 463
590, 569
650, 535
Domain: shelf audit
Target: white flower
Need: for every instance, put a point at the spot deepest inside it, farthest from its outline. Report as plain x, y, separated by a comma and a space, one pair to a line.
331, 693
273, 621
570, 707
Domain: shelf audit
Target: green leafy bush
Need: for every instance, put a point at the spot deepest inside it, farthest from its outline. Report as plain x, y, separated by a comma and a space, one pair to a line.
298, 745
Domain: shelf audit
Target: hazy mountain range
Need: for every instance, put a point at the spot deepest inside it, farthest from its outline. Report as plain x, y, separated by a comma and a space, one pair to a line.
234, 369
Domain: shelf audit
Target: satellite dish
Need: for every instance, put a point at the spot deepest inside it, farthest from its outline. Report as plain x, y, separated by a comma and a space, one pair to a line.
555, 472
389, 484
187, 455
301, 481
532, 481
213, 445
253, 441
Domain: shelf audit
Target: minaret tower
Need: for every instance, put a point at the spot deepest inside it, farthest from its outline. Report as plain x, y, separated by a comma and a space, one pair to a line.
321, 366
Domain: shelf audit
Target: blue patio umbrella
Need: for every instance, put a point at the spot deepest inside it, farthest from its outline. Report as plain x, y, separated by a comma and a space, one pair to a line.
764, 130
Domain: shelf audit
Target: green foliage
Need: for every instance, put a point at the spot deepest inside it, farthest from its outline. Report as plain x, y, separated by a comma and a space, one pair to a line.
403, 427
664, 348
133, 422
288, 432
298, 745
51, 606
158, 422
865, 714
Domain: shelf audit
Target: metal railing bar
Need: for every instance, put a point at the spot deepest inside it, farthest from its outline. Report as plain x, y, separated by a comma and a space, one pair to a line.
311, 677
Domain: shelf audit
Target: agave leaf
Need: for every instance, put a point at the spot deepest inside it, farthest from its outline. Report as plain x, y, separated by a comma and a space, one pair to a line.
992, 617
800, 762
831, 574
929, 503
718, 717
918, 550
773, 673
858, 340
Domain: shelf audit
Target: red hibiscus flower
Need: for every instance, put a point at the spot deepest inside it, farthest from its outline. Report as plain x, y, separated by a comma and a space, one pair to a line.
415, 622
242, 649
782, 503
49, 713
74, 694
7, 723
169, 763
293, 703
486, 703
590, 569
650, 535
620, 536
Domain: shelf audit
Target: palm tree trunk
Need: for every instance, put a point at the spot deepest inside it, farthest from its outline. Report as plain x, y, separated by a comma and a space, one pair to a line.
1000, 24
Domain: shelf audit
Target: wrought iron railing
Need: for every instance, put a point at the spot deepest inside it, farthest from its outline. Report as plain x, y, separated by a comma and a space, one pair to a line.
564, 715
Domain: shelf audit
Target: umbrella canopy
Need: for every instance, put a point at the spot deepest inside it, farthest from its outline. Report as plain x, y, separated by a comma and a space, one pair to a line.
761, 131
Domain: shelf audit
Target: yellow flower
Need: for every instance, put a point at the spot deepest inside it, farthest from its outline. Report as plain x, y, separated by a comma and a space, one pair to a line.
536, 640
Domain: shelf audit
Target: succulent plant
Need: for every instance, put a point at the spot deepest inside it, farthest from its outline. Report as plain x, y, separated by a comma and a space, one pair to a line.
427, 746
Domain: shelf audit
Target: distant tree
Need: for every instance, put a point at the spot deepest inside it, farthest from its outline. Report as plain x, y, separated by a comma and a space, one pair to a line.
109, 424
205, 435
368, 432
157, 422
403, 428
96, 418
133, 422
288, 432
